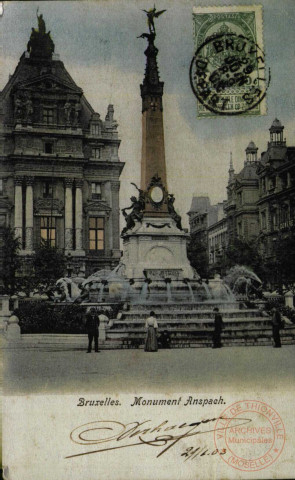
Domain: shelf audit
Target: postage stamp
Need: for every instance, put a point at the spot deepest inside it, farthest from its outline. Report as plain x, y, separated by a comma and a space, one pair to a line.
228, 74
250, 434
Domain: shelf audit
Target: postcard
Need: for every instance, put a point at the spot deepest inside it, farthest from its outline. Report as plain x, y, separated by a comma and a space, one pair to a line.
147, 212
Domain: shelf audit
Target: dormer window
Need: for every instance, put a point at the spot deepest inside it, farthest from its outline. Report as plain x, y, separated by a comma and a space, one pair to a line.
96, 190
95, 129
48, 116
96, 153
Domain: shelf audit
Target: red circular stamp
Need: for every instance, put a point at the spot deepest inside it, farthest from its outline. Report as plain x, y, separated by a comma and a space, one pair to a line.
249, 435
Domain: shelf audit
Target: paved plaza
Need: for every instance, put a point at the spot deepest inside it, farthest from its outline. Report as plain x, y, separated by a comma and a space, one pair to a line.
47, 369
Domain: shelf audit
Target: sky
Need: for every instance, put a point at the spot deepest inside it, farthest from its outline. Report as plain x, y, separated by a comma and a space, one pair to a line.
97, 42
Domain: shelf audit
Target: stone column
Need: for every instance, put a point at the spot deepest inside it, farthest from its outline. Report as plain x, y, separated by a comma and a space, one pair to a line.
68, 214
29, 214
115, 216
18, 208
109, 225
79, 216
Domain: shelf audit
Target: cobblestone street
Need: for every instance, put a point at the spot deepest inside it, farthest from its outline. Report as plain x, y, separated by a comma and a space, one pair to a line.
46, 369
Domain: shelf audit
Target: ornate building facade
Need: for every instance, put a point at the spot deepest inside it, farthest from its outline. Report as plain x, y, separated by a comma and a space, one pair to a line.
242, 195
276, 203
260, 203
59, 162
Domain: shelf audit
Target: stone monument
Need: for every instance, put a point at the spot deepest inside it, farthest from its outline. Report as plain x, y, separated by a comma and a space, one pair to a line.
154, 241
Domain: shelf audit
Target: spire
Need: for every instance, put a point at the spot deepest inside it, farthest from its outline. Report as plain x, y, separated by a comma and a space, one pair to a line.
151, 85
153, 165
40, 44
231, 172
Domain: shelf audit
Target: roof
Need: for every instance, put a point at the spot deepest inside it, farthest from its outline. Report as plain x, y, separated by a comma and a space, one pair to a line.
200, 205
248, 172
276, 123
251, 146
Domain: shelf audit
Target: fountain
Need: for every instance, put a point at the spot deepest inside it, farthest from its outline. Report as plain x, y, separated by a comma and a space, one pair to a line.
154, 271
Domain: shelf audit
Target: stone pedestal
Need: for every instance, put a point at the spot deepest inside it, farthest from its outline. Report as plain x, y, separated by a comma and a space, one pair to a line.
156, 248
13, 329
289, 302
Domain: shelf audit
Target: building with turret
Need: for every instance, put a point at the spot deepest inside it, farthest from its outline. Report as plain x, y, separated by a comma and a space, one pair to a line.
260, 204
60, 167
242, 196
276, 203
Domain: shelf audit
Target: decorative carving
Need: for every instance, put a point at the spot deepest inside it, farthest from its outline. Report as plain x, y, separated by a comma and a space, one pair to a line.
79, 182
29, 110
48, 204
18, 181
97, 205
151, 15
40, 43
77, 111
158, 226
172, 212
30, 181
111, 123
115, 186
68, 110
69, 182
137, 210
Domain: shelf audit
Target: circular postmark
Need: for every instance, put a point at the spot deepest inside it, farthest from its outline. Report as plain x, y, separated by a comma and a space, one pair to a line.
228, 74
250, 434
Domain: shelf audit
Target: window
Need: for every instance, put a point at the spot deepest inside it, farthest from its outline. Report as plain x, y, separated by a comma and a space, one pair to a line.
47, 189
95, 130
1, 186
96, 190
263, 219
96, 233
48, 230
96, 153
48, 115
48, 147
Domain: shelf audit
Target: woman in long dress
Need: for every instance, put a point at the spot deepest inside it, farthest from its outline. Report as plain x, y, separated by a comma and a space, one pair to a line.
151, 344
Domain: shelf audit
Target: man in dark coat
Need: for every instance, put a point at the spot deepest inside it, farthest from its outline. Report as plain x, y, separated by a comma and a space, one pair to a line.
92, 324
276, 325
218, 325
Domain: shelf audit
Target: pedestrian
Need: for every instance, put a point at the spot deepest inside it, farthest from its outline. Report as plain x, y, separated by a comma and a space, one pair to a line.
151, 344
165, 339
276, 325
218, 325
92, 324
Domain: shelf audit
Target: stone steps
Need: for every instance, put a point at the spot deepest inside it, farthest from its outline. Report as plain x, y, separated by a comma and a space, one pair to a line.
182, 337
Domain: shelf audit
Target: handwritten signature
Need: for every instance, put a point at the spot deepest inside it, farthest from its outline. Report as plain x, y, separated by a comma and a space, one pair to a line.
165, 436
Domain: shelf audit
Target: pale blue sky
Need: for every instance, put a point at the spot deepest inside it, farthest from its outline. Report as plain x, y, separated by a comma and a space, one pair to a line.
97, 42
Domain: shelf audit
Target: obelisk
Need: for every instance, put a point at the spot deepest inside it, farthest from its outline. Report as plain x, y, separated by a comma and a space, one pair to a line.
154, 241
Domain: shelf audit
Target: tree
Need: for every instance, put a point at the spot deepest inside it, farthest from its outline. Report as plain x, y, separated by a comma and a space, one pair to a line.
198, 255
11, 261
49, 265
242, 252
283, 264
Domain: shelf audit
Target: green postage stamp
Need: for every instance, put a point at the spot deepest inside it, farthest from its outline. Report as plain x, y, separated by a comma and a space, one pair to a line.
228, 74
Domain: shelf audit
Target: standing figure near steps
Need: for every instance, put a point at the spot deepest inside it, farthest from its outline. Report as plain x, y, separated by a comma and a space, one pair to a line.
218, 325
276, 326
151, 343
92, 324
